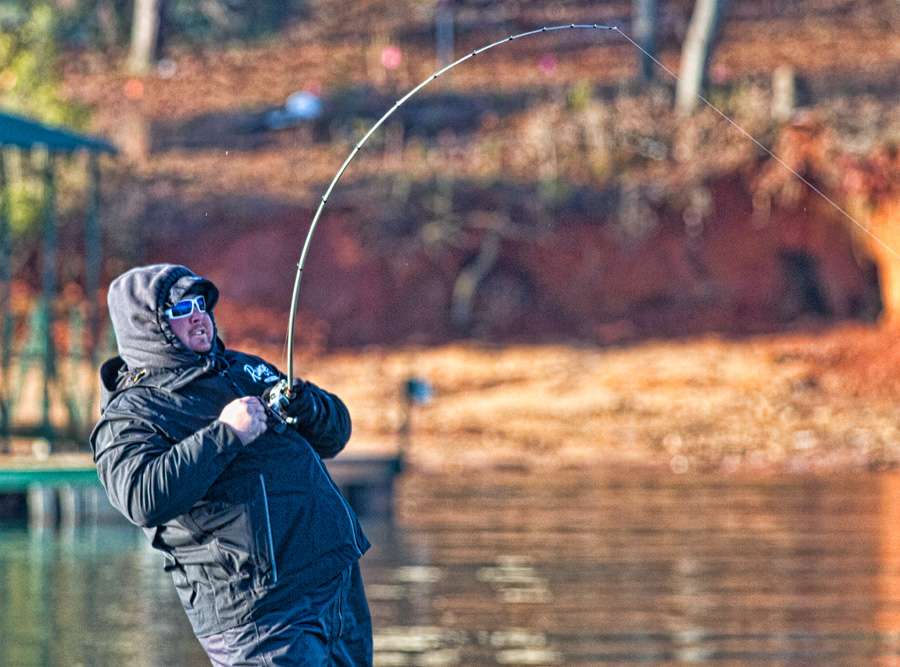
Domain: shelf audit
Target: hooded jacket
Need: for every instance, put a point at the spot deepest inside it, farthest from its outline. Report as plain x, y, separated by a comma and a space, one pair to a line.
242, 528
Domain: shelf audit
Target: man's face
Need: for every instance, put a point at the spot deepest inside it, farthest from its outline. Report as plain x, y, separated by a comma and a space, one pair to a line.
195, 331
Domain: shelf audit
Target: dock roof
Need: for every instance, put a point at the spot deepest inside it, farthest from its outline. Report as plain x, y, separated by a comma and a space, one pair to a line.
26, 133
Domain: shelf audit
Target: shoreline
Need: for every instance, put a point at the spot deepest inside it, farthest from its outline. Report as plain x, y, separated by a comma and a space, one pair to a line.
792, 403
778, 403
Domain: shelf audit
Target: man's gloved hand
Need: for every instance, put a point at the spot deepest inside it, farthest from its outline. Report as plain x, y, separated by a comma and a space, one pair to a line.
315, 414
304, 404
301, 405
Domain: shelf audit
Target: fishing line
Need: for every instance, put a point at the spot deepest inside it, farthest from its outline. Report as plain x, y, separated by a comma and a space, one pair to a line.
769, 152
280, 394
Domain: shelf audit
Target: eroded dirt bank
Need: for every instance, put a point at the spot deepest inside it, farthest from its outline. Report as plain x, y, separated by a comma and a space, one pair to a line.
787, 403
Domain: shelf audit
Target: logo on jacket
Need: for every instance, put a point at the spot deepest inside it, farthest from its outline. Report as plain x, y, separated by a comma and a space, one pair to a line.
261, 373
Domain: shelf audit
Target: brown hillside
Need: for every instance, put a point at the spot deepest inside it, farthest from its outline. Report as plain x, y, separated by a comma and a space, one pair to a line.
614, 220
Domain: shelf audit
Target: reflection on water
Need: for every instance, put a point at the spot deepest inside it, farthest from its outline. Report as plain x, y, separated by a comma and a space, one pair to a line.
88, 596
576, 568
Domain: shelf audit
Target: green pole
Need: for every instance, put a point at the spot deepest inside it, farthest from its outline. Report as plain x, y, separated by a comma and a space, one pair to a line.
93, 262
93, 250
48, 281
5, 318
69, 390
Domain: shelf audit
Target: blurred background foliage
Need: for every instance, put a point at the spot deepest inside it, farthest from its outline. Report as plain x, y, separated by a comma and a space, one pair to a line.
30, 85
107, 23
29, 78
483, 167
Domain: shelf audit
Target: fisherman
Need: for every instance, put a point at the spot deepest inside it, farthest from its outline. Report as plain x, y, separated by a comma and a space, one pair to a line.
262, 547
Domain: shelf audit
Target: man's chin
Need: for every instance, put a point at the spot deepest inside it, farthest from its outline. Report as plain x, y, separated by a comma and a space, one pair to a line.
201, 347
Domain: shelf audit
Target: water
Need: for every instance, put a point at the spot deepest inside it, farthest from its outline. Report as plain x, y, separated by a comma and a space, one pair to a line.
575, 568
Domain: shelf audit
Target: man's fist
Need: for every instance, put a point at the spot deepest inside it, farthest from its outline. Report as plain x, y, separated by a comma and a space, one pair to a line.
246, 416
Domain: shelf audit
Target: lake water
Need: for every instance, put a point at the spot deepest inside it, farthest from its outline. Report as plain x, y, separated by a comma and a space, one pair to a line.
574, 568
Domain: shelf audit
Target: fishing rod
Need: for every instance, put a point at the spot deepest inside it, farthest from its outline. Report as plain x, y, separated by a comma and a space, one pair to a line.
280, 394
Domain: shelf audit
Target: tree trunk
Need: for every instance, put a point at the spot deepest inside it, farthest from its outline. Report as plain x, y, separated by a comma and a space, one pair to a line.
884, 223
784, 92
444, 29
645, 18
107, 23
465, 288
696, 51
144, 34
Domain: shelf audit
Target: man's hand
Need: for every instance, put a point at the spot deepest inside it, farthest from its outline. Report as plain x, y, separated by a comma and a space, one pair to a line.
284, 402
246, 416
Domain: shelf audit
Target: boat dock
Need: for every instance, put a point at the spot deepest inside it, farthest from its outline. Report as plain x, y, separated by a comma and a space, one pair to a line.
63, 489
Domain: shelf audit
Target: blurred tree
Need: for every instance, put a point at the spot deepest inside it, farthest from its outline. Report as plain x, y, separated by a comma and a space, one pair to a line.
216, 20
696, 51
144, 35
99, 24
29, 85
645, 19
108, 23
444, 28
113, 24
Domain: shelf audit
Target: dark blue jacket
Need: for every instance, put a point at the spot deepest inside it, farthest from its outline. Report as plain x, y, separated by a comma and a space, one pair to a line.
242, 528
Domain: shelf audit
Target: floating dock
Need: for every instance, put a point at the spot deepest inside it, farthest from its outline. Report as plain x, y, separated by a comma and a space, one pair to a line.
63, 489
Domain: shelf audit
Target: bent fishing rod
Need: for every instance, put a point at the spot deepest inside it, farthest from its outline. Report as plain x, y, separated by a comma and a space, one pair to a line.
280, 394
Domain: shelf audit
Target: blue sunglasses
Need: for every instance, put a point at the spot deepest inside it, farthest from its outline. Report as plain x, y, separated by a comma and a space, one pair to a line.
185, 307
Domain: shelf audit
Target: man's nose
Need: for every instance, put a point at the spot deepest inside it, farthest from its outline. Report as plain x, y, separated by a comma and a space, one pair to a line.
196, 315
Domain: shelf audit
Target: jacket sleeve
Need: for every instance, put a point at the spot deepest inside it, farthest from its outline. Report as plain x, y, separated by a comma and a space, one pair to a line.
149, 479
322, 418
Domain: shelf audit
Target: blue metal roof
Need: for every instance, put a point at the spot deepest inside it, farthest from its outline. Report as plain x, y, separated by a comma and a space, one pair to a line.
26, 133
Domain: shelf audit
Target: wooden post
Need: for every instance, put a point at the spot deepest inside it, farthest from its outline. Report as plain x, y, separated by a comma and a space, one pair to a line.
70, 505
43, 506
404, 432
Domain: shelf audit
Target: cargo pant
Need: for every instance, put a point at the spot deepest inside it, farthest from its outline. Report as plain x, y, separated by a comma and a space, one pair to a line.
328, 626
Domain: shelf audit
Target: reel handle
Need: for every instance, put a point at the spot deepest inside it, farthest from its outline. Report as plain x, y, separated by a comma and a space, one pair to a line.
276, 401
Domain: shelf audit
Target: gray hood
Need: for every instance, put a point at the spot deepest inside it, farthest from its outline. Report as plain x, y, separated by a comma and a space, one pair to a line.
137, 300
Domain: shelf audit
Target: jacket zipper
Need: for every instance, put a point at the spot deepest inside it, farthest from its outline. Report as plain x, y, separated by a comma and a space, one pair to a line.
342, 500
262, 482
